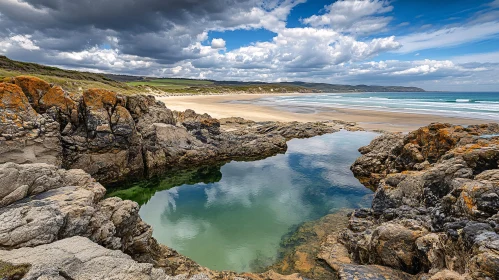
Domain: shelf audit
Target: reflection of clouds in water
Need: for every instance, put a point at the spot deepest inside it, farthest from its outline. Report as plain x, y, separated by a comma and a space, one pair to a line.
334, 162
242, 184
229, 224
170, 196
186, 228
312, 146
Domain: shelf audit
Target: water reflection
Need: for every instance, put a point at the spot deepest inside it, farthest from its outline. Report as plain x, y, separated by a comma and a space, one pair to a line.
234, 216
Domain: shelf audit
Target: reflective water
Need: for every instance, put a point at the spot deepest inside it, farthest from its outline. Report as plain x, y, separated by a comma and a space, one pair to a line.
233, 217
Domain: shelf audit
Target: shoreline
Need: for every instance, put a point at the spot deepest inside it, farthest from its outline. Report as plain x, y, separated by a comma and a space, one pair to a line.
223, 106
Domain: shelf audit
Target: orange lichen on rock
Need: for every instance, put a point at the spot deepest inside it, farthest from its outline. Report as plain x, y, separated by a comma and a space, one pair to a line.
57, 97
467, 201
13, 99
436, 139
122, 115
470, 148
99, 98
14, 105
34, 88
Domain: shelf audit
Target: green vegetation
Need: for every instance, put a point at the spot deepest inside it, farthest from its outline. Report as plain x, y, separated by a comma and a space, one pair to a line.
69, 80
13, 272
142, 191
170, 83
184, 86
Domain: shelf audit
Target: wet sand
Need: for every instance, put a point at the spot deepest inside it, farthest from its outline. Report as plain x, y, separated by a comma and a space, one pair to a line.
220, 106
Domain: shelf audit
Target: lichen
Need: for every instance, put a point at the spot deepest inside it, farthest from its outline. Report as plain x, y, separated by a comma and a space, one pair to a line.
13, 272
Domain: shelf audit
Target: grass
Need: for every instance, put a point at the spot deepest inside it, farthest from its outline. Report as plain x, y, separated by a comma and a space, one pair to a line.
166, 84
13, 272
74, 85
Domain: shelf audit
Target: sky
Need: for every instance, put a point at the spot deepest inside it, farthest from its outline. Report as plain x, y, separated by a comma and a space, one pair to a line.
434, 44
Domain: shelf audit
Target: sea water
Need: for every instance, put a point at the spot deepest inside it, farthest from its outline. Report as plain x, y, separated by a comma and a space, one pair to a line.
233, 217
472, 105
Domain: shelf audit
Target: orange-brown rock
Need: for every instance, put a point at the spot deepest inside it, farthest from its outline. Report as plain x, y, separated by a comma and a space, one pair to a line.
56, 97
26, 136
14, 109
33, 87
95, 99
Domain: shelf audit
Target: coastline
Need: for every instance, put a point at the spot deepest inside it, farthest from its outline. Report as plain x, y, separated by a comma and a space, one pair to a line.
434, 212
221, 106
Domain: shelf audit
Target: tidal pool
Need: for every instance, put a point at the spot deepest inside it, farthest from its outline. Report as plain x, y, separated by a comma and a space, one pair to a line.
233, 217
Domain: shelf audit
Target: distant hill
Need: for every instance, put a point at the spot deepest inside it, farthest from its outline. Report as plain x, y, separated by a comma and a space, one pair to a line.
358, 88
33, 68
77, 81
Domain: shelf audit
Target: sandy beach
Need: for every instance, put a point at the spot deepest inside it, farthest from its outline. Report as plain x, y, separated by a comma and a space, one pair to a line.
218, 106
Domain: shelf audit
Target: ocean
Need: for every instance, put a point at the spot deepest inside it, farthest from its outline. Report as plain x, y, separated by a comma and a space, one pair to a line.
472, 105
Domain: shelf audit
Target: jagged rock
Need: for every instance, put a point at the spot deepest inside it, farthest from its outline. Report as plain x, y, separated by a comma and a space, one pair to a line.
105, 143
25, 135
377, 159
64, 204
394, 153
114, 137
442, 178
33, 87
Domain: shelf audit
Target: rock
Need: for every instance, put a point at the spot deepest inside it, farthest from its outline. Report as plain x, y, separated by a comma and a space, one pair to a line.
449, 275
114, 137
26, 136
394, 153
33, 87
106, 142
80, 258
60, 223
377, 159
435, 209
370, 272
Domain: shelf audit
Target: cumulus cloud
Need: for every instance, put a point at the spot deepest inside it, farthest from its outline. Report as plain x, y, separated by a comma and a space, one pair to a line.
218, 43
18, 41
357, 16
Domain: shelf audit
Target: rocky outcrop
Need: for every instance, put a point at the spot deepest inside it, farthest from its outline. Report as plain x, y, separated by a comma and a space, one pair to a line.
56, 224
25, 135
436, 203
115, 137
104, 141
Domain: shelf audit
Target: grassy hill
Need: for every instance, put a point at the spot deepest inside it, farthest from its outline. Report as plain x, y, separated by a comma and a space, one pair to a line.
68, 79
77, 81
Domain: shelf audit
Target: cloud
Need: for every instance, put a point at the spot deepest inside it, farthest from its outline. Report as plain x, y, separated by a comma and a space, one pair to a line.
218, 43
18, 41
489, 57
353, 16
448, 37
171, 38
